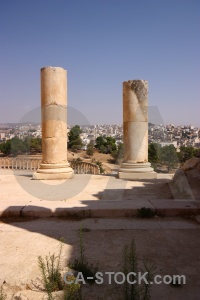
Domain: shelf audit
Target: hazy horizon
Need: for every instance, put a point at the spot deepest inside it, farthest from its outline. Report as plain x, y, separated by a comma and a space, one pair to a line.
75, 117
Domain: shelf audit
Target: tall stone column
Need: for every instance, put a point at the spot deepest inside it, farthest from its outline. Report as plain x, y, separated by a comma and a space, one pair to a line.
135, 126
54, 125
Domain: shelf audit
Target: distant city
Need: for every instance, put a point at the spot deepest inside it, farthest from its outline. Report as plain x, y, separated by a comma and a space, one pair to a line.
183, 135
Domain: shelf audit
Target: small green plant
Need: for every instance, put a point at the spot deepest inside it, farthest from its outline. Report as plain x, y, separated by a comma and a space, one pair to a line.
72, 291
145, 212
138, 290
99, 164
129, 264
79, 159
50, 269
145, 289
2, 294
90, 149
82, 265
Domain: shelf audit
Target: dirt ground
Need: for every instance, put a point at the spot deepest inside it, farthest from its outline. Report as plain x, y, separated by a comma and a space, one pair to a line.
171, 244
104, 158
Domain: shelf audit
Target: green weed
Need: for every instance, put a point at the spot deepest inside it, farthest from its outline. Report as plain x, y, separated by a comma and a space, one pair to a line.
81, 264
145, 212
50, 269
2, 294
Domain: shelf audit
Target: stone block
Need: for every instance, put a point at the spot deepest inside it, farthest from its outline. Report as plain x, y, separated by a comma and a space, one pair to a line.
137, 176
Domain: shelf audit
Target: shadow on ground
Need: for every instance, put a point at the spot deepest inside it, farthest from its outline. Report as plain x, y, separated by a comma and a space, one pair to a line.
173, 244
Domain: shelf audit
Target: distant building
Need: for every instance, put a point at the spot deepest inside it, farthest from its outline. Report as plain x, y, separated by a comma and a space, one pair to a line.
163, 144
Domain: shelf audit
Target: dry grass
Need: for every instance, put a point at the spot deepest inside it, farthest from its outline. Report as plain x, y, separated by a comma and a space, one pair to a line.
104, 158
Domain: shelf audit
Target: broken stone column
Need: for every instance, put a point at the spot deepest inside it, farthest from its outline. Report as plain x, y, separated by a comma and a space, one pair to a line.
135, 126
54, 125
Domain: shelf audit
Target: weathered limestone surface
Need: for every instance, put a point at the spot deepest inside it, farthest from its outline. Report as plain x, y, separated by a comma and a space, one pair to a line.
54, 125
186, 181
135, 124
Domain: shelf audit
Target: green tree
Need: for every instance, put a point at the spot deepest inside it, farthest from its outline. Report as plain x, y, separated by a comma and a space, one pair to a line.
118, 154
99, 163
100, 141
105, 144
186, 153
33, 144
90, 149
110, 144
6, 147
36, 145
102, 149
14, 146
153, 153
74, 140
18, 146
168, 156
197, 152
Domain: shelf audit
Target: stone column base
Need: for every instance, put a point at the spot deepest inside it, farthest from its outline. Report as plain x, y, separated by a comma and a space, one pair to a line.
53, 171
136, 171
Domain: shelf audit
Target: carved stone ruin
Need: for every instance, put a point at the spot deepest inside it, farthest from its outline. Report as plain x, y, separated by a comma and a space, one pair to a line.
54, 125
135, 126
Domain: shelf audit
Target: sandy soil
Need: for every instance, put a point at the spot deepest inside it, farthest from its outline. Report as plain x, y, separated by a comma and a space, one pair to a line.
171, 244
104, 158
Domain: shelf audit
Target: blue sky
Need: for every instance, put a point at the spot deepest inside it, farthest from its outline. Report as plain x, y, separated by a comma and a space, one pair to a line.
102, 43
